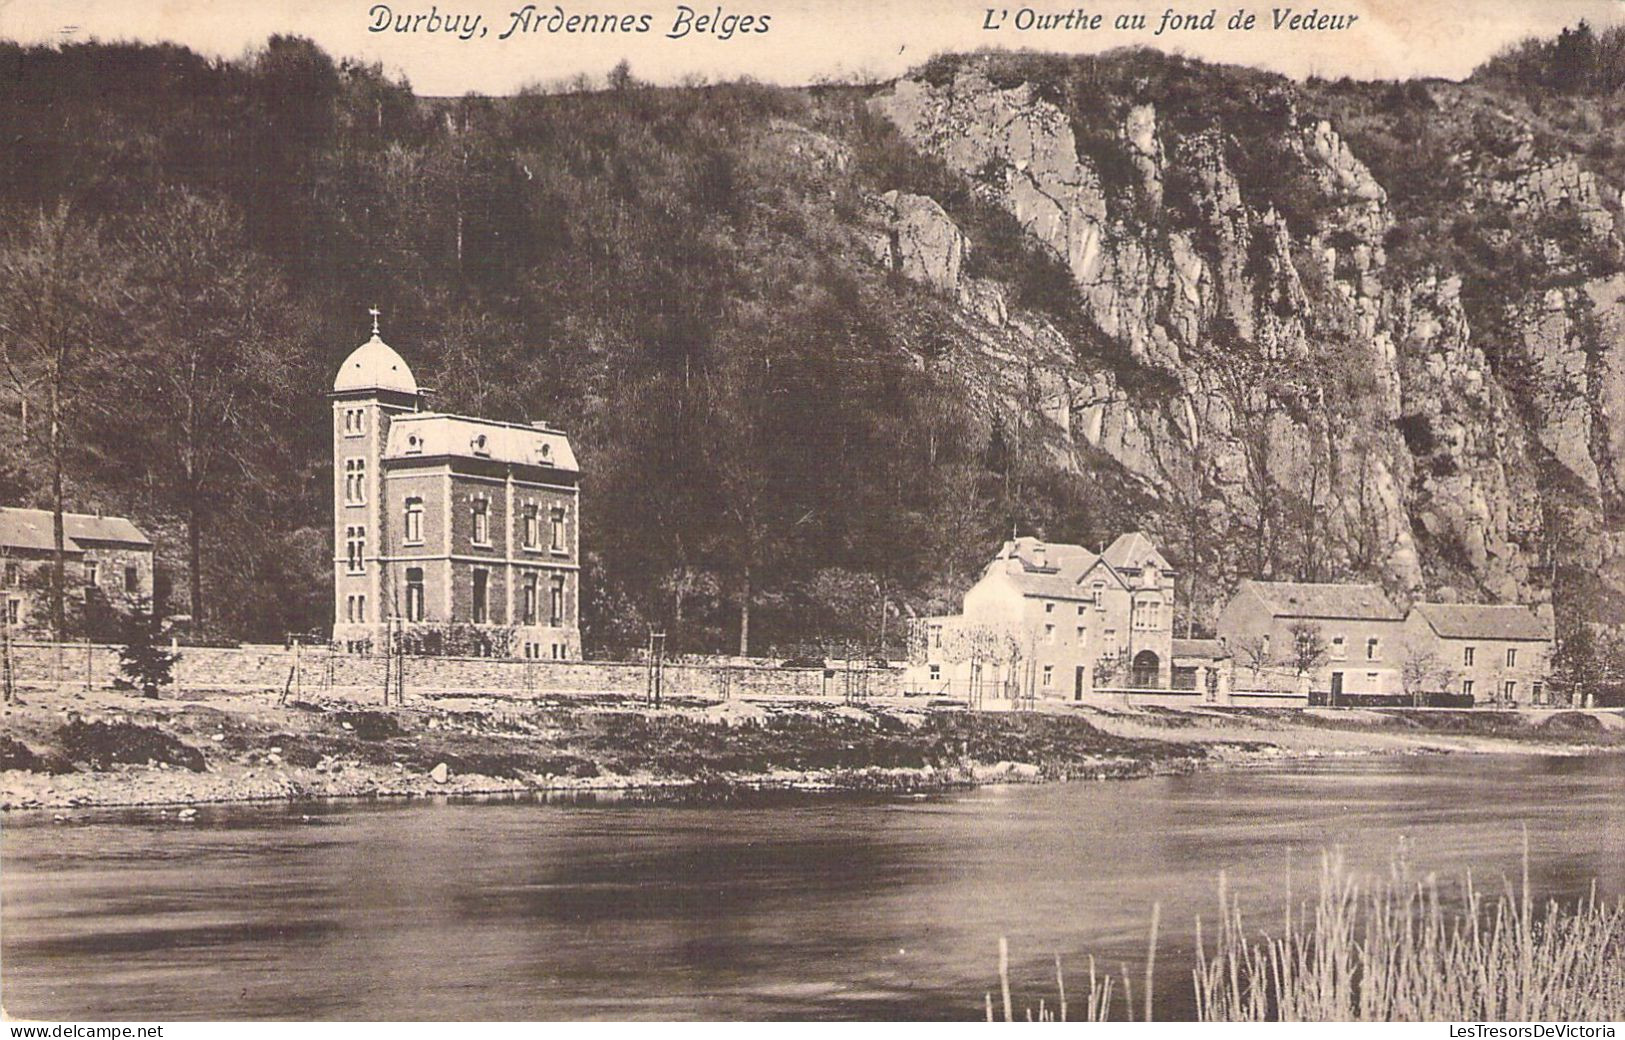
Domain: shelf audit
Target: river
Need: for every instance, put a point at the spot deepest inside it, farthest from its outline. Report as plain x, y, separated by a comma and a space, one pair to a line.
791, 908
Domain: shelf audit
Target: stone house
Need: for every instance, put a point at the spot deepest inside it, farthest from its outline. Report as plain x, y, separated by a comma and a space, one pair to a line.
444, 521
1494, 653
1057, 621
109, 563
1363, 633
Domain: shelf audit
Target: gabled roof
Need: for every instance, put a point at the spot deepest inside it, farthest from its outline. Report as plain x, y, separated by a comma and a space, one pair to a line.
1301, 599
1132, 551
1483, 621
1056, 570
437, 435
34, 529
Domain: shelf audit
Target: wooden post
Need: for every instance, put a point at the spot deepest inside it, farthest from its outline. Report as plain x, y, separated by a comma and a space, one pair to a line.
88, 663
7, 672
298, 675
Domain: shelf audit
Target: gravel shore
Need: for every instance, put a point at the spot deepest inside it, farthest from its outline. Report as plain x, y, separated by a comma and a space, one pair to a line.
106, 748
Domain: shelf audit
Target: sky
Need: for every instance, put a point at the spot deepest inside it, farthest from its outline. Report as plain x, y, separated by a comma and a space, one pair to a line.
806, 40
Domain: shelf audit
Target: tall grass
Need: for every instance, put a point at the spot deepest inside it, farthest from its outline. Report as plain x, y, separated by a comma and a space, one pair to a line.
1390, 949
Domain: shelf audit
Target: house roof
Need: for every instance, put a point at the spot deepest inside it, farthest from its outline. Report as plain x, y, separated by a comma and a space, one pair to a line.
1211, 649
458, 436
375, 366
1355, 602
1132, 551
1483, 621
34, 529
1056, 570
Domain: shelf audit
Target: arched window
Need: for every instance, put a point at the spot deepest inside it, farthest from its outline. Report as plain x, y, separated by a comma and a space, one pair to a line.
482, 522
355, 482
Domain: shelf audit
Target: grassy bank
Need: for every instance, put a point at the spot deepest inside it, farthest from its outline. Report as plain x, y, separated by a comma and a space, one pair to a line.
106, 748
1388, 949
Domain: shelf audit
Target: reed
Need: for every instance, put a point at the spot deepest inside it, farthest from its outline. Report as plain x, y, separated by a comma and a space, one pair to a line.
1395, 948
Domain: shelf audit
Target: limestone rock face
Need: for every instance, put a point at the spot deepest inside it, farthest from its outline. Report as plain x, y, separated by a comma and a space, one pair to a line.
1262, 366
921, 241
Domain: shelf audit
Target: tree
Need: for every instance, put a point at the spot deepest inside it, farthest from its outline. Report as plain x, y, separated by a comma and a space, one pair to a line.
211, 317
738, 405
143, 661
1308, 650
1254, 653
57, 293
1421, 670
1108, 668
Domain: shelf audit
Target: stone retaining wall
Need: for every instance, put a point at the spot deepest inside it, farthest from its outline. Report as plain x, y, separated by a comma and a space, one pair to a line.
38, 665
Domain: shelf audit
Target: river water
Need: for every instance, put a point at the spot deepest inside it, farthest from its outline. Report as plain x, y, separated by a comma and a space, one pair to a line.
791, 908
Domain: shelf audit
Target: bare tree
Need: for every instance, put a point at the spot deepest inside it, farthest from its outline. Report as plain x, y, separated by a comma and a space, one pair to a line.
1309, 650
57, 293
1421, 670
1254, 653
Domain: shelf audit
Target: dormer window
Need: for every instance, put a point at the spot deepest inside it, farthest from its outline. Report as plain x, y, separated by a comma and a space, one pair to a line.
481, 445
547, 454
414, 445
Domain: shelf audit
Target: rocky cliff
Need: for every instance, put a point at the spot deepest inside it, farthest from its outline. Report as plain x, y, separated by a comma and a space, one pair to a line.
1320, 409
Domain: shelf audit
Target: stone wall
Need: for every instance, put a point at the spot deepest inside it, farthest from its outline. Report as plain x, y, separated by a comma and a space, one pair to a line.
246, 668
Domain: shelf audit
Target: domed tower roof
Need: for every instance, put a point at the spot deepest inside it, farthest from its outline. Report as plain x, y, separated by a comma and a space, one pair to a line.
375, 366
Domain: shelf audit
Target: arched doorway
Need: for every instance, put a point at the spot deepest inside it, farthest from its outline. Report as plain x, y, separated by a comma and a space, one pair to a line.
1145, 668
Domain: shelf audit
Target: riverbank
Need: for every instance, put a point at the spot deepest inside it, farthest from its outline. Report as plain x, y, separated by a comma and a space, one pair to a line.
106, 748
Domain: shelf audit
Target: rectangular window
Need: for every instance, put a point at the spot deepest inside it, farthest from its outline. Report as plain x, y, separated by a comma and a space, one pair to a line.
1466, 687
1049, 608
1339, 649
132, 579
936, 672
1538, 691
482, 522
13, 574
355, 422
558, 530
1512, 657
14, 610
531, 532
414, 522
557, 612
481, 610
355, 549
1049, 633
93, 572
1511, 690
414, 594
1080, 609
349, 601
1467, 656
1083, 635
1049, 675
1371, 646
361, 608
530, 603
936, 637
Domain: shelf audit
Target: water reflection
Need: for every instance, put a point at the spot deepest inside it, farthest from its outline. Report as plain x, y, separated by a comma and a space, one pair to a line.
778, 908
